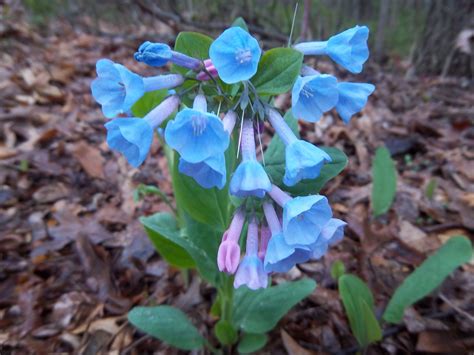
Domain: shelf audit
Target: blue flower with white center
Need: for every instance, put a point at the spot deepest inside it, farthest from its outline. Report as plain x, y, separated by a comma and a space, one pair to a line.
303, 160
133, 136
235, 54
348, 49
352, 98
130, 136
250, 271
208, 173
250, 178
158, 54
116, 89
195, 134
303, 216
313, 95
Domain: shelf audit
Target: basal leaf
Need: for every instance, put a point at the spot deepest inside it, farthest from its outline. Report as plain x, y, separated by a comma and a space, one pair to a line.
384, 183
165, 236
428, 276
259, 311
359, 305
168, 324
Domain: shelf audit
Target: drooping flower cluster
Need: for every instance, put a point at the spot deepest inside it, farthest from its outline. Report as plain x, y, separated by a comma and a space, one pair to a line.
282, 230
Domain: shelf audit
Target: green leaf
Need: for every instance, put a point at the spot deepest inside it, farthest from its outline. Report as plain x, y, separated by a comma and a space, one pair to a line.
240, 22
202, 243
337, 269
277, 71
430, 188
165, 235
168, 324
428, 276
251, 343
384, 184
148, 102
193, 44
259, 311
275, 164
359, 304
225, 332
208, 206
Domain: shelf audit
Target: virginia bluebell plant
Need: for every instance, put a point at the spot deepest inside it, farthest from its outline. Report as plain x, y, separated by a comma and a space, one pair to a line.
209, 115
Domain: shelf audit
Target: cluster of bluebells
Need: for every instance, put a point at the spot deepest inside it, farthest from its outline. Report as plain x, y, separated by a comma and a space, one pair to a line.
290, 230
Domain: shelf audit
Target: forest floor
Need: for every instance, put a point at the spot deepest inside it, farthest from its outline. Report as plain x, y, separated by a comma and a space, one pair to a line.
74, 257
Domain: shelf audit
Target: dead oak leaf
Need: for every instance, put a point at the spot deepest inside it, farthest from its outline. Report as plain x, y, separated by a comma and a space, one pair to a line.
90, 159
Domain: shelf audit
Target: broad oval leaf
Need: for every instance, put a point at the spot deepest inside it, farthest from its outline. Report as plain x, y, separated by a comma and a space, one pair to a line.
225, 332
162, 229
202, 244
428, 276
168, 324
277, 71
251, 343
384, 185
259, 311
359, 305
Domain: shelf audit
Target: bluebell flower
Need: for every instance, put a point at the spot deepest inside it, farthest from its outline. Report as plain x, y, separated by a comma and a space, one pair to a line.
313, 95
281, 256
352, 98
158, 54
319, 248
208, 173
235, 54
197, 135
348, 49
303, 160
250, 178
303, 216
333, 231
130, 136
133, 136
116, 89
250, 271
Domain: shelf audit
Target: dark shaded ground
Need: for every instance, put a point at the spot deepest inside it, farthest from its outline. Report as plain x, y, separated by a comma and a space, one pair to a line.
74, 258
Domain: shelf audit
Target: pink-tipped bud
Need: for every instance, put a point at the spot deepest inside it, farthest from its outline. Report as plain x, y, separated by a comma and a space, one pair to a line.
228, 256
210, 68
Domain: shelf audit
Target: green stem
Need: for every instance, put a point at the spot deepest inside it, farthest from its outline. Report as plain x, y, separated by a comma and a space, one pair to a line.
227, 297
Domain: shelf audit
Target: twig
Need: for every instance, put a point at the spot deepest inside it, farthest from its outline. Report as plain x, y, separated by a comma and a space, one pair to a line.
457, 308
134, 344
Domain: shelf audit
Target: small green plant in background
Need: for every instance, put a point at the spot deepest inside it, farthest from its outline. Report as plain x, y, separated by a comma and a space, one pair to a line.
358, 300
384, 181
